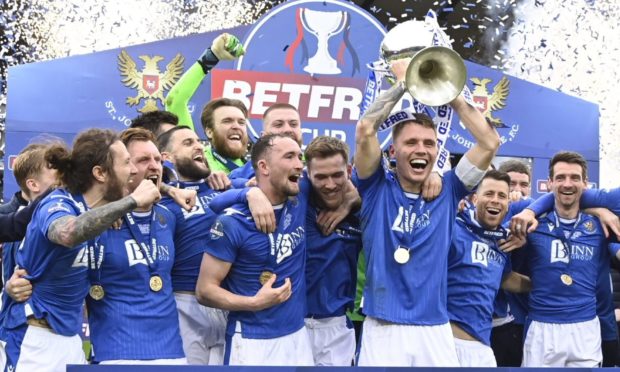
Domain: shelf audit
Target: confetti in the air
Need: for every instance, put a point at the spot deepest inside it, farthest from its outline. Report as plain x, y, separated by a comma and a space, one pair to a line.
567, 45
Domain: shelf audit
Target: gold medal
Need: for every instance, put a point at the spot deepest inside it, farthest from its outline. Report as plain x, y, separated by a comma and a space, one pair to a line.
96, 292
156, 283
566, 279
401, 255
264, 277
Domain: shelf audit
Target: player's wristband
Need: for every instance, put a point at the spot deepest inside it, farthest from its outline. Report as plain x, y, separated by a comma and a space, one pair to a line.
208, 60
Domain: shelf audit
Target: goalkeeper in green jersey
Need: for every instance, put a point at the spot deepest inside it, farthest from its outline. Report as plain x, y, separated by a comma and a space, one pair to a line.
224, 120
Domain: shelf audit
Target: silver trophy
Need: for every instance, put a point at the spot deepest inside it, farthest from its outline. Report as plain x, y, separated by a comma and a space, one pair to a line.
436, 75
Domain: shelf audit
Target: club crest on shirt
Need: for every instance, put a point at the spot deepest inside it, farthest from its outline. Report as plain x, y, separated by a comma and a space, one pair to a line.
161, 219
287, 220
589, 226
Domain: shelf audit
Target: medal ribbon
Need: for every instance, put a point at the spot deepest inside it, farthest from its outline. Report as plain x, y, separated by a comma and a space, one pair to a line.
406, 238
560, 233
140, 240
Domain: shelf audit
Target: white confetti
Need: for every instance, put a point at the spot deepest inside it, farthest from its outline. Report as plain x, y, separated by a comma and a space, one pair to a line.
578, 39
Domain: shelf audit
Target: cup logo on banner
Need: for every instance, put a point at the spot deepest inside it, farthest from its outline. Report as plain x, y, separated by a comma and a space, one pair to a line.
323, 25
310, 54
150, 82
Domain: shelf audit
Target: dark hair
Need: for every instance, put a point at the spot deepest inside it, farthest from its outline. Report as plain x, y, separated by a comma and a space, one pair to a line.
137, 134
569, 157
163, 141
207, 112
496, 175
91, 148
516, 166
263, 145
420, 119
326, 146
279, 106
153, 120
28, 163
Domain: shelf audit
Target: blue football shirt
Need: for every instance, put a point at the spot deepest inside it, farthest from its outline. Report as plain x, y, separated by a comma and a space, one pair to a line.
58, 274
235, 239
190, 236
414, 292
132, 321
476, 267
331, 266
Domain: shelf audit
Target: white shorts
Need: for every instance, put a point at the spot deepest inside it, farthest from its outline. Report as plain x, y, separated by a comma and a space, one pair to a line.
563, 345
2, 355
164, 362
203, 330
332, 341
42, 350
474, 354
386, 344
289, 350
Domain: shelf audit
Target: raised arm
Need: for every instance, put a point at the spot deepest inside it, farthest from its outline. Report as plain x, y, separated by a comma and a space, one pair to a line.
224, 47
367, 147
487, 139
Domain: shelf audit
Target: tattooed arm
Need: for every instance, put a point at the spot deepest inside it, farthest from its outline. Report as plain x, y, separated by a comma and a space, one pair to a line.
70, 231
367, 147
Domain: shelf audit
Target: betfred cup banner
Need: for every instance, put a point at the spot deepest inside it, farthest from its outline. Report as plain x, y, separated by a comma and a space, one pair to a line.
312, 55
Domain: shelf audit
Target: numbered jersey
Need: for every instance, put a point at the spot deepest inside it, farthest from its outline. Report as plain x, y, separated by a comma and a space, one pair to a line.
132, 321
475, 270
253, 254
190, 236
58, 274
564, 258
413, 292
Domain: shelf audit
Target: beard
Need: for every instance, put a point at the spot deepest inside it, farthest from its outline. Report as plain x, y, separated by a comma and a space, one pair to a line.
115, 189
220, 144
187, 168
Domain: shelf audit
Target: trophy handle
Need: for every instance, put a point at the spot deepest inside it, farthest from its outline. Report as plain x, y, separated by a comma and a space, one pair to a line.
304, 24
344, 22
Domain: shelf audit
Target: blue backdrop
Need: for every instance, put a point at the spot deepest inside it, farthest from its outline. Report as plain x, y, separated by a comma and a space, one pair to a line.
64, 96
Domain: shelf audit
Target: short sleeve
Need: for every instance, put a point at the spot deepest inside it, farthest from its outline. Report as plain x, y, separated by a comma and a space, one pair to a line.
55, 207
223, 241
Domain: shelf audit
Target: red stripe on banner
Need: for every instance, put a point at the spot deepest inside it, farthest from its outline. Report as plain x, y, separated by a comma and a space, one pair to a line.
341, 53
290, 54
